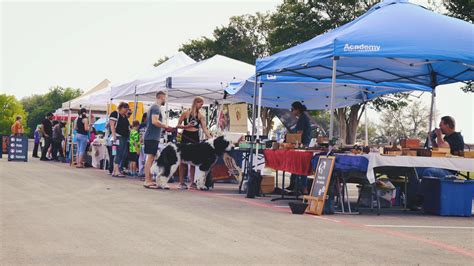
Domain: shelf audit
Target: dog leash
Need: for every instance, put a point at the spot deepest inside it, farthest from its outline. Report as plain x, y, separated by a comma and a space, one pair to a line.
188, 138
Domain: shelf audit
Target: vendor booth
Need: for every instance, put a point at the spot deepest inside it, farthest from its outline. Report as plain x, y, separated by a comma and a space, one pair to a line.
395, 41
395, 47
207, 78
128, 89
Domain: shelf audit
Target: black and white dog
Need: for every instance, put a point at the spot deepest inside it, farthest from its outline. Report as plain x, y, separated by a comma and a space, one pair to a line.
203, 155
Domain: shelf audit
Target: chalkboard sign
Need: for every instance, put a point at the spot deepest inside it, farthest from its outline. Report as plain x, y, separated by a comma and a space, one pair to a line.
322, 176
18, 148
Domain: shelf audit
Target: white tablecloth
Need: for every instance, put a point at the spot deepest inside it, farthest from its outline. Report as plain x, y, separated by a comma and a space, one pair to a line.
377, 160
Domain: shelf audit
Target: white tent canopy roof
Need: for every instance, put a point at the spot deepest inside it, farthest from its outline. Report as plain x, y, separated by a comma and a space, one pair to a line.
84, 99
126, 90
207, 78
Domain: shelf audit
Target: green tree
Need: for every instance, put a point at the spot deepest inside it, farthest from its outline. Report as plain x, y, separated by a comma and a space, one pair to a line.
38, 105
462, 9
199, 49
409, 122
295, 21
161, 61
244, 39
371, 132
10, 107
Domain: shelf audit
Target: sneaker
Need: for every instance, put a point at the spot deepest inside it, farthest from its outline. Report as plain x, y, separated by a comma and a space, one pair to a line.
182, 186
193, 186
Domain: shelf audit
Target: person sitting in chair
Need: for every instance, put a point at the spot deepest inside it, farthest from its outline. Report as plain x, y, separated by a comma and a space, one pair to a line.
452, 140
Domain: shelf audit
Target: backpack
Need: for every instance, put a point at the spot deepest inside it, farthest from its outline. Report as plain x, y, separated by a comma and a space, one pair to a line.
254, 184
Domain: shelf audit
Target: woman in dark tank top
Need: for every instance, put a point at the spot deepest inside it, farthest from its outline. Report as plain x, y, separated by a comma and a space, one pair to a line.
82, 131
192, 121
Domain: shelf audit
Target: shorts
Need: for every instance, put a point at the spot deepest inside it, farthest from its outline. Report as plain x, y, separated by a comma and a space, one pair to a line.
133, 157
190, 137
151, 147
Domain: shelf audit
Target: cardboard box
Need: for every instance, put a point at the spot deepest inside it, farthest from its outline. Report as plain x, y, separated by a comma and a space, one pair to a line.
293, 138
268, 184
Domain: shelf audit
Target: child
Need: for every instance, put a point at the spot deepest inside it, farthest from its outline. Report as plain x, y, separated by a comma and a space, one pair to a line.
134, 148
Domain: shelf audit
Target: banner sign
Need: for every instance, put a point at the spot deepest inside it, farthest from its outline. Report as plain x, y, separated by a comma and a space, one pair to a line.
18, 148
238, 118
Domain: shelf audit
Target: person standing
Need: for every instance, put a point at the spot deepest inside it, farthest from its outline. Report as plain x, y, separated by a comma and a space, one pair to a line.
303, 126
142, 157
37, 137
452, 140
193, 120
109, 145
120, 127
152, 137
47, 135
134, 148
17, 127
82, 137
58, 138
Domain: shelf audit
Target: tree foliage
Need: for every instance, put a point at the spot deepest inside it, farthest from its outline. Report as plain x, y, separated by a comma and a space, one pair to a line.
462, 9
10, 108
244, 39
249, 37
409, 122
38, 105
160, 61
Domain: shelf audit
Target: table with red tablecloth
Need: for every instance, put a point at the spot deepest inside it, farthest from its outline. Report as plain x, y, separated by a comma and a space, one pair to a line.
291, 161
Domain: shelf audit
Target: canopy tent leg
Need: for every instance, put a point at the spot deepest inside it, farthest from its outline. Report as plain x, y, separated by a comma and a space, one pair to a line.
432, 106
69, 134
366, 128
432, 110
259, 119
331, 106
109, 105
135, 103
250, 182
167, 112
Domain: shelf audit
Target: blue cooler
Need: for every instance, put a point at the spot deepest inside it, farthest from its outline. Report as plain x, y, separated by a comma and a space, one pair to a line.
447, 197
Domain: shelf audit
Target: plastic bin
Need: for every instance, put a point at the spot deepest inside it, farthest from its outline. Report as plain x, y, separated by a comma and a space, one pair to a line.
447, 197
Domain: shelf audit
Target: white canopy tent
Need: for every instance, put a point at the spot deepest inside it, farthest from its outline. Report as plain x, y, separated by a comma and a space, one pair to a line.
84, 99
207, 78
127, 90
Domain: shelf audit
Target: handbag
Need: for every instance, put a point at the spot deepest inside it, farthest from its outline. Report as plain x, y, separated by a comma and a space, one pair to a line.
108, 139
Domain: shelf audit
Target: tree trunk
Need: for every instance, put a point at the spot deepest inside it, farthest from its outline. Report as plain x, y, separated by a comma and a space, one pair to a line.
267, 120
340, 115
352, 124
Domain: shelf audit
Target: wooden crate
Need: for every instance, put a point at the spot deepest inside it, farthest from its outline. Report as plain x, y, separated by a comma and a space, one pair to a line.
410, 143
268, 184
469, 154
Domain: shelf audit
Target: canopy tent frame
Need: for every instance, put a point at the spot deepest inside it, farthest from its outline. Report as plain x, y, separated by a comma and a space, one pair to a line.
354, 74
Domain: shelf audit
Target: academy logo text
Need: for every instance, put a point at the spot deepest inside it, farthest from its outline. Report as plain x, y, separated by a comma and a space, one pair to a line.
361, 48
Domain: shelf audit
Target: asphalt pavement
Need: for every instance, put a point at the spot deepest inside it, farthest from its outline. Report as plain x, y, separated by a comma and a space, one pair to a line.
52, 214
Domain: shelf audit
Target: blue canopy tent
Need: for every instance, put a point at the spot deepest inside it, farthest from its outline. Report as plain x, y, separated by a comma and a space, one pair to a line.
395, 41
100, 124
280, 91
